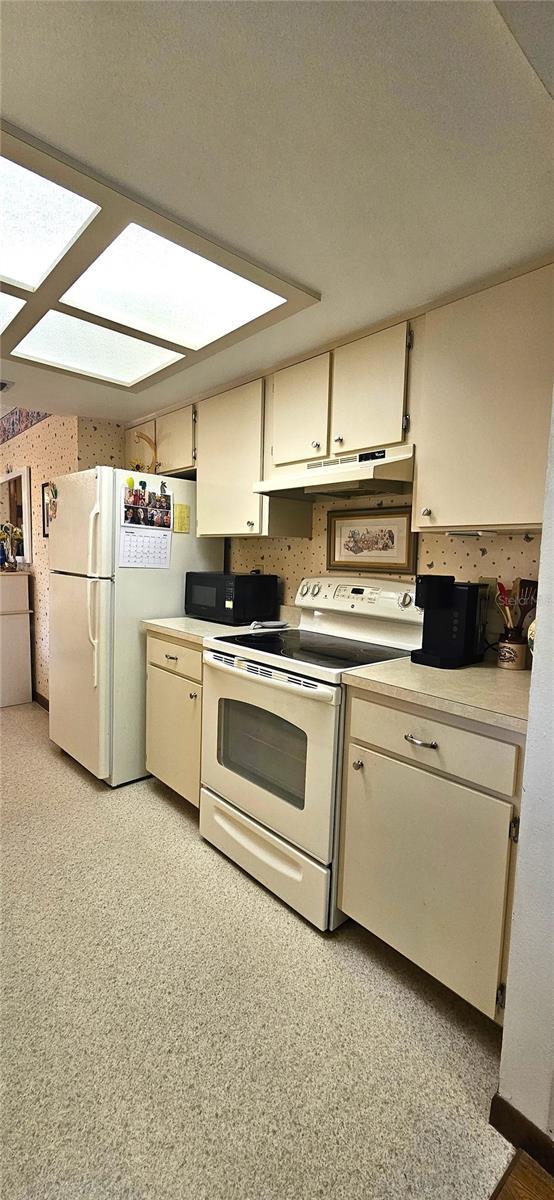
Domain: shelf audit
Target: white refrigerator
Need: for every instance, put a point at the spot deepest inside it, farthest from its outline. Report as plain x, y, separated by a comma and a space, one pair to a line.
97, 604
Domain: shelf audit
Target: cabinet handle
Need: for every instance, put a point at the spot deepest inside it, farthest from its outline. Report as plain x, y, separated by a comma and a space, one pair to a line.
193, 695
171, 658
409, 737
358, 764
339, 440
426, 512
316, 445
250, 524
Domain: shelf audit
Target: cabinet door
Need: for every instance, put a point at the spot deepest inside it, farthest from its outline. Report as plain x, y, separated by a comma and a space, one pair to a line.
301, 411
369, 385
229, 436
175, 441
173, 717
481, 419
139, 451
424, 865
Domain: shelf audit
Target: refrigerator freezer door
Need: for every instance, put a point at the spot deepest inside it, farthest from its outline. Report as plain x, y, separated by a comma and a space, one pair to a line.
81, 533
80, 669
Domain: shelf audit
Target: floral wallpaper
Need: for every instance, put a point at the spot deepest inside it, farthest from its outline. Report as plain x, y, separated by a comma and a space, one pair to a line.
503, 556
17, 420
55, 446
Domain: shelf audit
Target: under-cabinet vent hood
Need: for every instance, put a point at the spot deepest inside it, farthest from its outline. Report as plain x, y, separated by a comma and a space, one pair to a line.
389, 470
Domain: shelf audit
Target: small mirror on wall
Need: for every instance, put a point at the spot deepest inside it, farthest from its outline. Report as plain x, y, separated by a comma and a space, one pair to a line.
15, 514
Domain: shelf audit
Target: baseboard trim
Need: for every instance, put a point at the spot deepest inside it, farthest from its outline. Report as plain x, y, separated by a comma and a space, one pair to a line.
521, 1132
38, 699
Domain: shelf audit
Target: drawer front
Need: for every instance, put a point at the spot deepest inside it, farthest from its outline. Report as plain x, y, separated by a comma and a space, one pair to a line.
423, 865
469, 756
287, 872
180, 659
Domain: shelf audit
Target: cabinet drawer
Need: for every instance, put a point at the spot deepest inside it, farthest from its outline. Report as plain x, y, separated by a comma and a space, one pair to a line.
470, 756
297, 879
423, 865
180, 659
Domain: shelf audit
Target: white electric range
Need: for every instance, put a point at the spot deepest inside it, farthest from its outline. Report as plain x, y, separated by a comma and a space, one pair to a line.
272, 733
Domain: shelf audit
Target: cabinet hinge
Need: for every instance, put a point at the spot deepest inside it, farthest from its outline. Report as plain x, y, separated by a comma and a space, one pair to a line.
194, 416
410, 339
194, 455
514, 829
501, 995
405, 423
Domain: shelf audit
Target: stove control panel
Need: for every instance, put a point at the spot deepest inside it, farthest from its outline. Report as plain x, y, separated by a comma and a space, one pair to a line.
363, 597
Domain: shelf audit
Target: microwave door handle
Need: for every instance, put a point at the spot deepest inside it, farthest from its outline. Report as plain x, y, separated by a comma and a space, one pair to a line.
315, 691
91, 633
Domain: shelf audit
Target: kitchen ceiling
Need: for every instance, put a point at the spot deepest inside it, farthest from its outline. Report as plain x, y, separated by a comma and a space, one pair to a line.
381, 154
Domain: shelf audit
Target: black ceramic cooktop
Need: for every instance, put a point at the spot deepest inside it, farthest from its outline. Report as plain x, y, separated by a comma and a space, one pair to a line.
317, 648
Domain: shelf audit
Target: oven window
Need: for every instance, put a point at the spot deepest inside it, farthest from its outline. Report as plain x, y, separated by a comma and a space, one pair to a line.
203, 595
264, 749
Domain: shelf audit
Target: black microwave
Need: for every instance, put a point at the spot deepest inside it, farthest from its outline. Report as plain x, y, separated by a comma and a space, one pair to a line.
231, 599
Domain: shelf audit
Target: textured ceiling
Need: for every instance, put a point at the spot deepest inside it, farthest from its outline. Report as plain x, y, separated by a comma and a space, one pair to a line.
383, 154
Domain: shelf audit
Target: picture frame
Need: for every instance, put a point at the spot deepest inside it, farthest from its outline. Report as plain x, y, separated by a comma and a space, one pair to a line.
375, 541
45, 509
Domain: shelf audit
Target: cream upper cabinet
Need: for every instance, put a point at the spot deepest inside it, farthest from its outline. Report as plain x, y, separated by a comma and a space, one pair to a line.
175, 441
229, 438
480, 418
138, 450
300, 407
368, 391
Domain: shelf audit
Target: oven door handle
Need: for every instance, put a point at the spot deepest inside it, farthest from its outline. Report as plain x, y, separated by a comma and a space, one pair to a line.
309, 689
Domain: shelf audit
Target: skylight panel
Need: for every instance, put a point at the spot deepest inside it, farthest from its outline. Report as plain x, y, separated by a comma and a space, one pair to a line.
9, 308
151, 284
39, 221
66, 342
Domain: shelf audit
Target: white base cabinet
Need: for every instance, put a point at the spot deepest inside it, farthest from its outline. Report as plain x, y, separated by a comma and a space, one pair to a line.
425, 868
174, 716
15, 640
427, 861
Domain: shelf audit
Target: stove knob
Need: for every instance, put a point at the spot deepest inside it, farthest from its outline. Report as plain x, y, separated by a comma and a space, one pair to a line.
405, 600
304, 589
316, 589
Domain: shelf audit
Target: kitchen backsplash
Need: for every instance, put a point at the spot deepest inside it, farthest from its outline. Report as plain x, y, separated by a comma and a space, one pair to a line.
505, 555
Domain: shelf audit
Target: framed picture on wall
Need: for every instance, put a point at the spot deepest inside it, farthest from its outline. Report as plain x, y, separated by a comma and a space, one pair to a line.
45, 509
372, 540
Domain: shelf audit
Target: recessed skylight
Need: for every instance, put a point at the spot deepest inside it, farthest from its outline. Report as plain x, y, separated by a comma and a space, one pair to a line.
9, 308
152, 284
59, 340
39, 221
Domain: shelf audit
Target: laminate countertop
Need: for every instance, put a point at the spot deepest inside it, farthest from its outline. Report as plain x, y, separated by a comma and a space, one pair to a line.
191, 629
483, 693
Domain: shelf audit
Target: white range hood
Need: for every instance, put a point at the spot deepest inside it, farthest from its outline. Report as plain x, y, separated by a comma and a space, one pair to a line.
391, 470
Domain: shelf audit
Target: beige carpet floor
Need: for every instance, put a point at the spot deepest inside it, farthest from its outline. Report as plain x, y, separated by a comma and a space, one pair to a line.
173, 1032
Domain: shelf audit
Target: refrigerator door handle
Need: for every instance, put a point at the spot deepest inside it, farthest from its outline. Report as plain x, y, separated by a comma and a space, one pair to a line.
92, 639
93, 518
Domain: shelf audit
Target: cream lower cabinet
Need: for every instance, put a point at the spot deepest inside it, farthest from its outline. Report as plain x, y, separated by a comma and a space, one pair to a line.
425, 860
174, 719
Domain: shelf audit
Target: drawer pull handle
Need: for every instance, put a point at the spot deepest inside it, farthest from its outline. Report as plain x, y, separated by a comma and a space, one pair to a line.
358, 765
193, 695
409, 737
171, 658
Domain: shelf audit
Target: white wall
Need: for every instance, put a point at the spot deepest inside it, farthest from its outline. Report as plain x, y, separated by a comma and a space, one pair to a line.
527, 1064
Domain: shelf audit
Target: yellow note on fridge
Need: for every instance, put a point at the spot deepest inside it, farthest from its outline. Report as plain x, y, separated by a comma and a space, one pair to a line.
181, 518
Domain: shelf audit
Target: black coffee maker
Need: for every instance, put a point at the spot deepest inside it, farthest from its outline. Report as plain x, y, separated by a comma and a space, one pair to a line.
455, 616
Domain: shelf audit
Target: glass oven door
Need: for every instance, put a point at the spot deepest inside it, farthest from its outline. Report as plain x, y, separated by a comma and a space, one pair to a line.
269, 746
